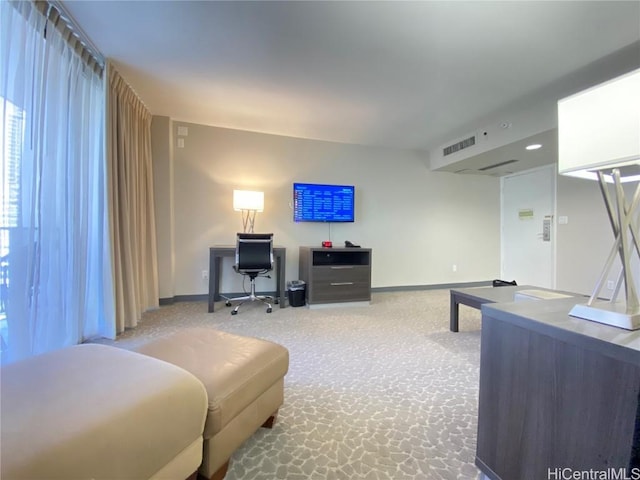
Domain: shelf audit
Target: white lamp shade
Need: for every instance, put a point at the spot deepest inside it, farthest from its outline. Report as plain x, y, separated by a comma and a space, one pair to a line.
599, 128
248, 200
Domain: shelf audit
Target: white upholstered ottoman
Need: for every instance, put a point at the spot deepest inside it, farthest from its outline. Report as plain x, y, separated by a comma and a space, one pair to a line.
244, 379
99, 412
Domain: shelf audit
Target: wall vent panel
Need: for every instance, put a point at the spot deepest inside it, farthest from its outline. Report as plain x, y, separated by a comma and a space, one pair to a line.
461, 145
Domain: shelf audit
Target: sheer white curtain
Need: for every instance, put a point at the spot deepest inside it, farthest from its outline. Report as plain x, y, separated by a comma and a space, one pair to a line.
57, 282
131, 203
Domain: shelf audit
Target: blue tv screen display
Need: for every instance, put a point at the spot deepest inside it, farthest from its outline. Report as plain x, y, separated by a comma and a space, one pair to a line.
323, 203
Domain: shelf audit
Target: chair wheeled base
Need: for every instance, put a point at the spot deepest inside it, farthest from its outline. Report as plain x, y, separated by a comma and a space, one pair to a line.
252, 297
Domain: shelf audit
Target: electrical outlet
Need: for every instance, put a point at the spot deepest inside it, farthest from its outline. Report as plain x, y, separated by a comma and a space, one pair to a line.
611, 284
454, 268
205, 274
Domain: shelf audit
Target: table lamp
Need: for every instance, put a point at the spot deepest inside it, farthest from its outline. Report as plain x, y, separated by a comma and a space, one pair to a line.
248, 202
599, 139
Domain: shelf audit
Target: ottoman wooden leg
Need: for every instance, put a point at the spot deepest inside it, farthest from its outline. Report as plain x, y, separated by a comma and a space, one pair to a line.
271, 420
218, 474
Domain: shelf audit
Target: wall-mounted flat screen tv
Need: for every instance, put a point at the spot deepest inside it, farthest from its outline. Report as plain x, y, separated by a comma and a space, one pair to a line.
323, 203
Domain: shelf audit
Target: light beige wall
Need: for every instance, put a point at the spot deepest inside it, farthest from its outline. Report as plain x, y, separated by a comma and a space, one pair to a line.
419, 223
584, 243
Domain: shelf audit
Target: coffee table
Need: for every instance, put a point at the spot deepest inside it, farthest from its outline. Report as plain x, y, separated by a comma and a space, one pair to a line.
477, 296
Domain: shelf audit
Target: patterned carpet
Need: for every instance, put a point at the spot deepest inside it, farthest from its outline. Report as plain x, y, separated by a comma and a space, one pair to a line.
379, 392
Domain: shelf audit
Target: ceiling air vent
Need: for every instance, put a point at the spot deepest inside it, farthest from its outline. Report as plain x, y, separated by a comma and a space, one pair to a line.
461, 145
496, 165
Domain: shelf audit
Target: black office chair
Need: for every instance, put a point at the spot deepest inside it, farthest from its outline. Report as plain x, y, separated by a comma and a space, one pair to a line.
254, 257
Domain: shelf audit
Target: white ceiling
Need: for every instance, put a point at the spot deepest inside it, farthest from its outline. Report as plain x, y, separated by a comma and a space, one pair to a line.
397, 74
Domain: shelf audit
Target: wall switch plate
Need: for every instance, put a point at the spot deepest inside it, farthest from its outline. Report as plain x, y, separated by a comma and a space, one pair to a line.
181, 143
183, 131
611, 284
455, 268
205, 274
563, 220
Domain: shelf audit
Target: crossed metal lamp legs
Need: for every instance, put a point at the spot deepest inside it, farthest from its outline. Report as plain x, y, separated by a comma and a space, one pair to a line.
624, 313
248, 219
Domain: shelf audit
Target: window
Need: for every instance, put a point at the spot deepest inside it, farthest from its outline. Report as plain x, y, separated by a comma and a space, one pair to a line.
11, 146
55, 276
11, 140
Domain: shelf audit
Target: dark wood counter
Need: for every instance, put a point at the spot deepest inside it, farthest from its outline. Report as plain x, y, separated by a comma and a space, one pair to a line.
555, 392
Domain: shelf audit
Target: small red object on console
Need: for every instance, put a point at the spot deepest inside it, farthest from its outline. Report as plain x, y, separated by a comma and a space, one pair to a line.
327, 244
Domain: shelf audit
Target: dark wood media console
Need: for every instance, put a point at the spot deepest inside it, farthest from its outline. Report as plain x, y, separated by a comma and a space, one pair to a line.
336, 275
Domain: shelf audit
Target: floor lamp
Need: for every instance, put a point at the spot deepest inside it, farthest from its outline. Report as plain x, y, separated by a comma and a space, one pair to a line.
248, 202
599, 139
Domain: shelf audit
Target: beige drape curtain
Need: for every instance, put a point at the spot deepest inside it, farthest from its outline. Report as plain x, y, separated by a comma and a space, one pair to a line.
132, 221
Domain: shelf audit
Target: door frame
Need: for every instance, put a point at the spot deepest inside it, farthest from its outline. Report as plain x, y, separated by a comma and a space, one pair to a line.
553, 168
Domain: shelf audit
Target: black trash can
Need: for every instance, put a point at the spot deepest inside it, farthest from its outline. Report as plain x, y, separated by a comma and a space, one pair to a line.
297, 292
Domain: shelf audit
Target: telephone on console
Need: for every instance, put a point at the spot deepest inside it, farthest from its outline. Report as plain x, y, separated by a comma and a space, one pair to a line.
348, 244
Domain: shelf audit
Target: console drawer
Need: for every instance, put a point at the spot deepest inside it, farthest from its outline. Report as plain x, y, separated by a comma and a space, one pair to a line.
340, 292
334, 274
340, 283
